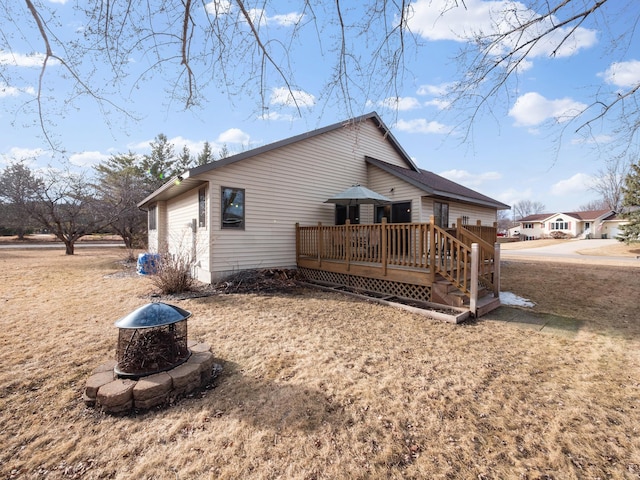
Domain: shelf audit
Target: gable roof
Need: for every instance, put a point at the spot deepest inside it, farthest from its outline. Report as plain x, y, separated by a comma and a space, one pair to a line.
187, 181
584, 216
536, 217
437, 186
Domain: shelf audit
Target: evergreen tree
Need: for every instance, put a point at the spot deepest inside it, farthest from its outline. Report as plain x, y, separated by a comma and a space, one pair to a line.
121, 183
18, 185
631, 231
161, 164
185, 161
206, 156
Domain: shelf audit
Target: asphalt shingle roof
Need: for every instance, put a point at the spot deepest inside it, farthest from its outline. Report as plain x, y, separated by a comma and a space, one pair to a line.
436, 185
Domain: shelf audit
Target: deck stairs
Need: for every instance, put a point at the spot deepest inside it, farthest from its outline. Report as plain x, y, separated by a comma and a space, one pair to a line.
446, 293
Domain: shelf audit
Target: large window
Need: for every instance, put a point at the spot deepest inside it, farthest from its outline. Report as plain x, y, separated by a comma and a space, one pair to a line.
399, 212
202, 207
441, 214
152, 218
559, 224
232, 208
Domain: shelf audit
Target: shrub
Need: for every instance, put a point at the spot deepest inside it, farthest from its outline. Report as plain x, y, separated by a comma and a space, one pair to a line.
173, 273
559, 235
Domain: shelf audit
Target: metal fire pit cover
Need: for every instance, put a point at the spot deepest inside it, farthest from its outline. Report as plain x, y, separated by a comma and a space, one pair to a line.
153, 315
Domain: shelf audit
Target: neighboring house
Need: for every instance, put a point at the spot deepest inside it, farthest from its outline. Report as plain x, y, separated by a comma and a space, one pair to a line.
587, 224
241, 212
610, 227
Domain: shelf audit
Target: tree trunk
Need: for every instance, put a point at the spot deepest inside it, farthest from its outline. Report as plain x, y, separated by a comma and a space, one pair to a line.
69, 247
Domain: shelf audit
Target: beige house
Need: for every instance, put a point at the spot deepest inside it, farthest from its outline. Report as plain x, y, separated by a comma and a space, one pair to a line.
241, 212
586, 224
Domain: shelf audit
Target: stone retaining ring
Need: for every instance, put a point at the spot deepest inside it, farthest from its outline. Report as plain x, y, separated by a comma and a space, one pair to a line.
106, 392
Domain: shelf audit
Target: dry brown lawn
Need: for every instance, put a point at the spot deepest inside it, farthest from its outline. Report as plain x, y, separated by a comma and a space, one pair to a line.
321, 386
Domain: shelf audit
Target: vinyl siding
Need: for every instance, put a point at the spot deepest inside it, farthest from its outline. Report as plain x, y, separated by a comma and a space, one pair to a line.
181, 212
421, 204
286, 186
487, 216
382, 183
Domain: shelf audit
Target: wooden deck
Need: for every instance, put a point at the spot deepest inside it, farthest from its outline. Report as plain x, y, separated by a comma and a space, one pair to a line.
402, 258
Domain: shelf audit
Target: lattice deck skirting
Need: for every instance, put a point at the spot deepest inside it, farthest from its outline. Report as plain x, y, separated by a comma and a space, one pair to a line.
385, 287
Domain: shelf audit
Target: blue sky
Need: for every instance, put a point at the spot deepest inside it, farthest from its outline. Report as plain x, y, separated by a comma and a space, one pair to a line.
524, 149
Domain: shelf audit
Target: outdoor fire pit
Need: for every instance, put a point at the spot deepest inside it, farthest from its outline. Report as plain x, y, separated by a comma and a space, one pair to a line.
151, 339
155, 364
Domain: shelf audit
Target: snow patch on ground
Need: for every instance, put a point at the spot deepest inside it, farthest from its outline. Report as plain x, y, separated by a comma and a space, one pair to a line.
508, 298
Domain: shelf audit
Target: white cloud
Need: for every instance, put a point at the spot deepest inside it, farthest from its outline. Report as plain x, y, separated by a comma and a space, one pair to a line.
434, 90
420, 125
470, 179
511, 196
218, 7
447, 20
593, 140
179, 143
438, 91
258, 16
578, 183
87, 159
623, 74
438, 103
397, 103
233, 135
22, 60
277, 116
292, 98
8, 91
286, 20
18, 154
532, 109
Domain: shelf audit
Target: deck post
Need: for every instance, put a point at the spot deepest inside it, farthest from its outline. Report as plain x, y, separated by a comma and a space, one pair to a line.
320, 244
383, 244
473, 300
297, 243
432, 249
496, 270
347, 247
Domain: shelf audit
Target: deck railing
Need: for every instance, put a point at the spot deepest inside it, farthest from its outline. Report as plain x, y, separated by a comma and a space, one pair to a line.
415, 246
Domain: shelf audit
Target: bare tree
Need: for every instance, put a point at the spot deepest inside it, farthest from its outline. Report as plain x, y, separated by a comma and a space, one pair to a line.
524, 208
592, 205
236, 47
65, 205
609, 183
519, 33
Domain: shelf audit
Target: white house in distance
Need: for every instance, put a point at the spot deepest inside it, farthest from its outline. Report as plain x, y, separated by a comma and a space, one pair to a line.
587, 224
241, 212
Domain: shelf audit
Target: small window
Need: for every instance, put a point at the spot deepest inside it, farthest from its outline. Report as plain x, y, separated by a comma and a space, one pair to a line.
202, 207
232, 208
152, 218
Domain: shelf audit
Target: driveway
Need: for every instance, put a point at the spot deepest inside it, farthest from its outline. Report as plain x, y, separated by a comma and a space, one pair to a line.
567, 252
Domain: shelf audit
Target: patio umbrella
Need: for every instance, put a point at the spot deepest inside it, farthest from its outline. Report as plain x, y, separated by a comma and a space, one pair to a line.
358, 195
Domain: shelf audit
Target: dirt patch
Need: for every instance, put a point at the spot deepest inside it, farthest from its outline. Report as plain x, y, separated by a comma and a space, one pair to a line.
318, 385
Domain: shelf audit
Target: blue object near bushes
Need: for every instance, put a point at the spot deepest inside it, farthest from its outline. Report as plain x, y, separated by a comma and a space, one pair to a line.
148, 263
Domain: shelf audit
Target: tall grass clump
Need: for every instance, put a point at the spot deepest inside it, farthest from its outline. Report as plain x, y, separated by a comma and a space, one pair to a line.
173, 273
